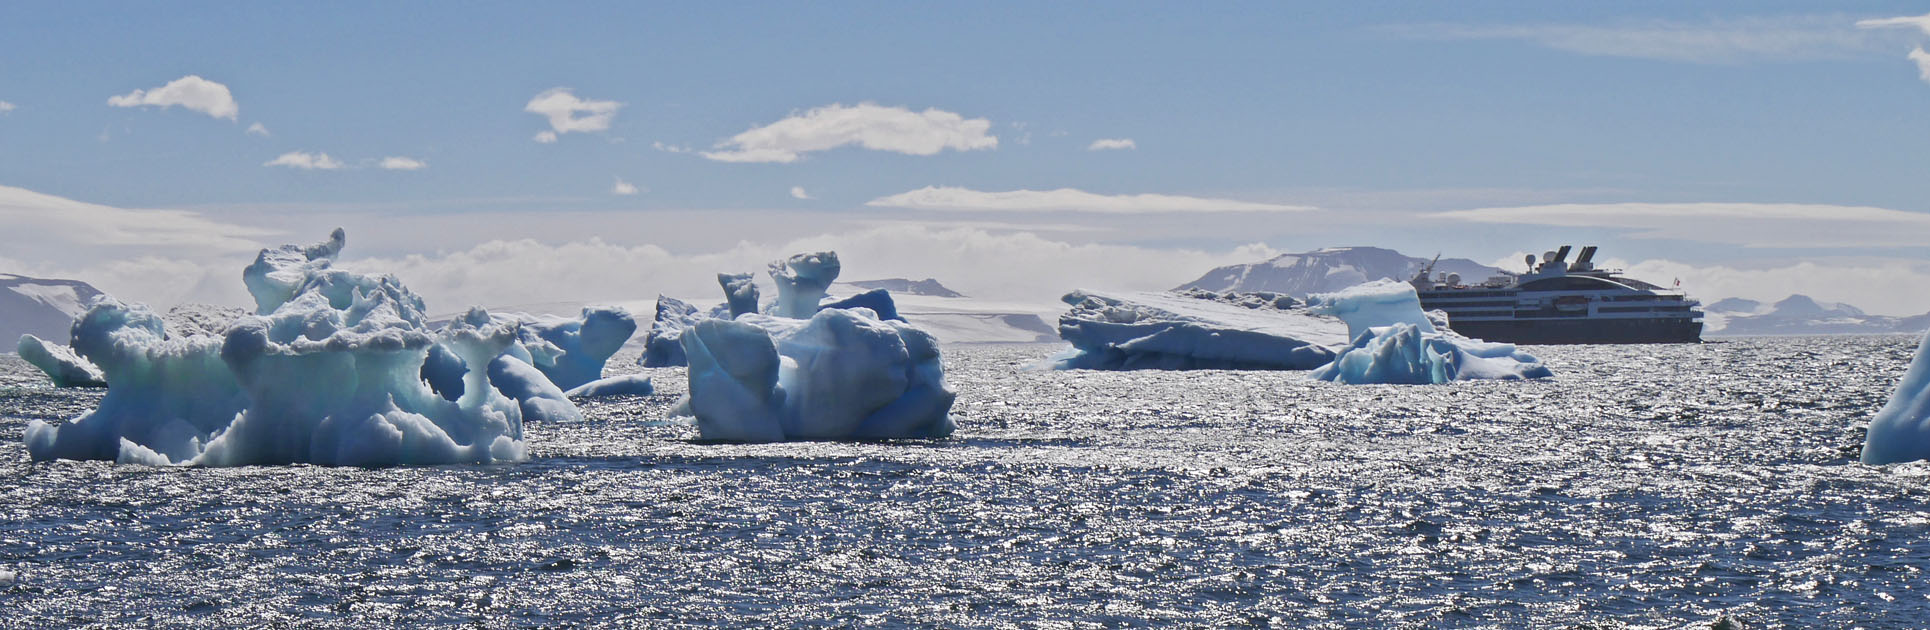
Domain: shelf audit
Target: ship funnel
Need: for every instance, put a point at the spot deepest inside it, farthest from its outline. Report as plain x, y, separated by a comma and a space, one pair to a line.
1560, 255
1584, 261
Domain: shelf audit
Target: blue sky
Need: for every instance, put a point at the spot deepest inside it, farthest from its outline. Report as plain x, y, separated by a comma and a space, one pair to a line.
1721, 142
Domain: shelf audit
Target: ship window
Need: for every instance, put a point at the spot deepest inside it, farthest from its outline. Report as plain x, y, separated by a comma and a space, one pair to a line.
1571, 283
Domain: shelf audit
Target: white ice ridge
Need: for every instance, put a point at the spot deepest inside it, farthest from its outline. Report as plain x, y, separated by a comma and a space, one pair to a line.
842, 374
1900, 432
60, 364
802, 282
1393, 341
1166, 331
329, 371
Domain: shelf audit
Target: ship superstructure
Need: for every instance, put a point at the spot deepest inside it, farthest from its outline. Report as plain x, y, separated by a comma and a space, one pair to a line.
1558, 302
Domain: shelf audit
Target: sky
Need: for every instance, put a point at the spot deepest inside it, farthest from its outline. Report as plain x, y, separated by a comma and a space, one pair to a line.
516, 153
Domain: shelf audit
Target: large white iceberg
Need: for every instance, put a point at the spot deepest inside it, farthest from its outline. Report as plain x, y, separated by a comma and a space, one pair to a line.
842, 374
330, 370
1167, 331
663, 346
1393, 341
59, 363
1900, 432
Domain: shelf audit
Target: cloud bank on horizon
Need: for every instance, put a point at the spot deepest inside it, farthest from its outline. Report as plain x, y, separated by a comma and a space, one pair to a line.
867, 125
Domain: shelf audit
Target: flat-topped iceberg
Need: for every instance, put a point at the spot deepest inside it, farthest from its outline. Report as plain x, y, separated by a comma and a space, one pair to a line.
1900, 432
1167, 331
1394, 341
330, 370
59, 363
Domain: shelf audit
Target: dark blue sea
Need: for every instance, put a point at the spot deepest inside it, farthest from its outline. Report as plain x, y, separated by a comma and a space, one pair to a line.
1642, 487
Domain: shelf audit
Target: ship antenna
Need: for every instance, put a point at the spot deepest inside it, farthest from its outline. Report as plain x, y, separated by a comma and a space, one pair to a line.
1428, 271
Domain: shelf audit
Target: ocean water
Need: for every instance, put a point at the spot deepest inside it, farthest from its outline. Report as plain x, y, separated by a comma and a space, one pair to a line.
1643, 487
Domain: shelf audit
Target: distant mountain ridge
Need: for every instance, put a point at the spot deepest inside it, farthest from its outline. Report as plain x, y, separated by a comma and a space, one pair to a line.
1330, 269
1801, 315
901, 286
41, 307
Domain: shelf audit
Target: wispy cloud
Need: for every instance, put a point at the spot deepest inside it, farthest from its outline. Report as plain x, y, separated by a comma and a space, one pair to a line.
305, 161
797, 192
623, 188
1920, 23
567, 113
7, 108
868, 125
1112, 144
399, 163
54, 220
1747, 224
190, 92
1066, 200
258, 129
1731, 41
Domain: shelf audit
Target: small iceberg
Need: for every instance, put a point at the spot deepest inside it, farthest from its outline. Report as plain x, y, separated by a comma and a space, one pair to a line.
1900, 432
1393, 341
1194, 331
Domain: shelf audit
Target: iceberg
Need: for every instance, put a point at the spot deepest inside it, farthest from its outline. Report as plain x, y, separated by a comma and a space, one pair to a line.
740, 293
1900, 431
624, 385
663, 345
59, 363
1166, 331
802, 282
842, 374
1394, 341
329, 370
878, 300
572, 351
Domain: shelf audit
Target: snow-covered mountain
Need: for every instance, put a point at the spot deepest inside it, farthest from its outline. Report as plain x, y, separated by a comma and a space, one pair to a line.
1800, 315
1330, 269
42, 307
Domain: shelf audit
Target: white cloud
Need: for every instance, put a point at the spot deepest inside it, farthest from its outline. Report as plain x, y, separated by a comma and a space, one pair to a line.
399, 163
623, 188
1112, 144
797, 192
1919, 22
191, 92
567, 113
258, 130
1716, 41
305, 161
1066, 200
868, 125
7, 108
1923, 63
155, 256
668, 148
1747, 224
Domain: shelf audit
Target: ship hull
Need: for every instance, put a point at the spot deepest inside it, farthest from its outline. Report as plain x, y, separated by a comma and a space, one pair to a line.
1582, 330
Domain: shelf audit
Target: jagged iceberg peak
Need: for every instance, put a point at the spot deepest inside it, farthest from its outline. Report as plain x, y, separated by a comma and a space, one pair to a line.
803, 281
740, 293
1900, 431
331, 374
1393, 341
